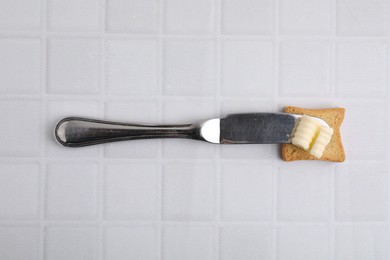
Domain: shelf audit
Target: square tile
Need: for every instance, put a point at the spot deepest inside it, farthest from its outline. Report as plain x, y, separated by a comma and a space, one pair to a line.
19, 191
73, 15
20, 57
244, 105
303, 242
362, 17
183, 111
19, 242
129, 111
73, 66
247, 16
132, 67
187, 149
189, 68
130, 242
59, 109
15, 116
361, 242
246, 191
76, 243
189, 16
361, 69
188, 242
131, 191
249, 242
305, 68
248, 151
306, 17
131, 16
188, 191
71, 191
361, 192
20, 15
254, 75
372, 140
303, 192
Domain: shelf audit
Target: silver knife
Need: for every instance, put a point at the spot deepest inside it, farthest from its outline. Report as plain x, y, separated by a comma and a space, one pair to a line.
248, 128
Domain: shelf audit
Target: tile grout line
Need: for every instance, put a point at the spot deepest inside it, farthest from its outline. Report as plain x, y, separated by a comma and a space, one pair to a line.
124, 222
101, 163
387, 113
117, 35
160, 163
43, 162
108, 97
332, 178
276, 86
218, 5
143, 160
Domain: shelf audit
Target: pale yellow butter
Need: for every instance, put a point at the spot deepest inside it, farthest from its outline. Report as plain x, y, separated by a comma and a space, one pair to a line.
311, 136
305, 132
321, 141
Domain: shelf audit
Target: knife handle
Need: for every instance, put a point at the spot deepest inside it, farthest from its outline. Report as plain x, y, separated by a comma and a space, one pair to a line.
78, 132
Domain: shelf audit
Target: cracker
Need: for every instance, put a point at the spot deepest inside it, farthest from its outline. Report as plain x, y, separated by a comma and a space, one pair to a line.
334, 152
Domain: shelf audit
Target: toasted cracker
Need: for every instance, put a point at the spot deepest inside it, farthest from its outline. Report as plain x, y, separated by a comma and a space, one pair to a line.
334, 152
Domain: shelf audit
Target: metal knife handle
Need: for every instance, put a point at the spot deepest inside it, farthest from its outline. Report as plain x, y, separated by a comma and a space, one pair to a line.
77, 131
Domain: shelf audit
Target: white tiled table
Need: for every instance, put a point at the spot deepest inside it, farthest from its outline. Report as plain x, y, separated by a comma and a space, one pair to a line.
172, 61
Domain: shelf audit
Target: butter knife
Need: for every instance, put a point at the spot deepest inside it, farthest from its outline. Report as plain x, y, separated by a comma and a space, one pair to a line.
247, 128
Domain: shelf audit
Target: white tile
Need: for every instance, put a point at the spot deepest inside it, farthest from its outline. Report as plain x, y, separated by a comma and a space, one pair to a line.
188, 242
246, 191
19, 242
137, 242
250, 151
57, 110
237, 106
16, 116
189, 16
189, 67
73, 15
361, 242
361, 192
20, 15
304, 192
135, 111
130, 191
188, 191
20, 68
132, 67
71, 191
189, 110
361, 69
134, 16
305, 68
305, 17
76, 243
362, 17
19, 188
187, 149
362, 141
247, 16
73, 66
184, 111
249, 242
247, 69
303, 242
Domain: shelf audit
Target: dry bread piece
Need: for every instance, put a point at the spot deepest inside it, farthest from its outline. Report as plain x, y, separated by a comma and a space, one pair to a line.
334, 152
